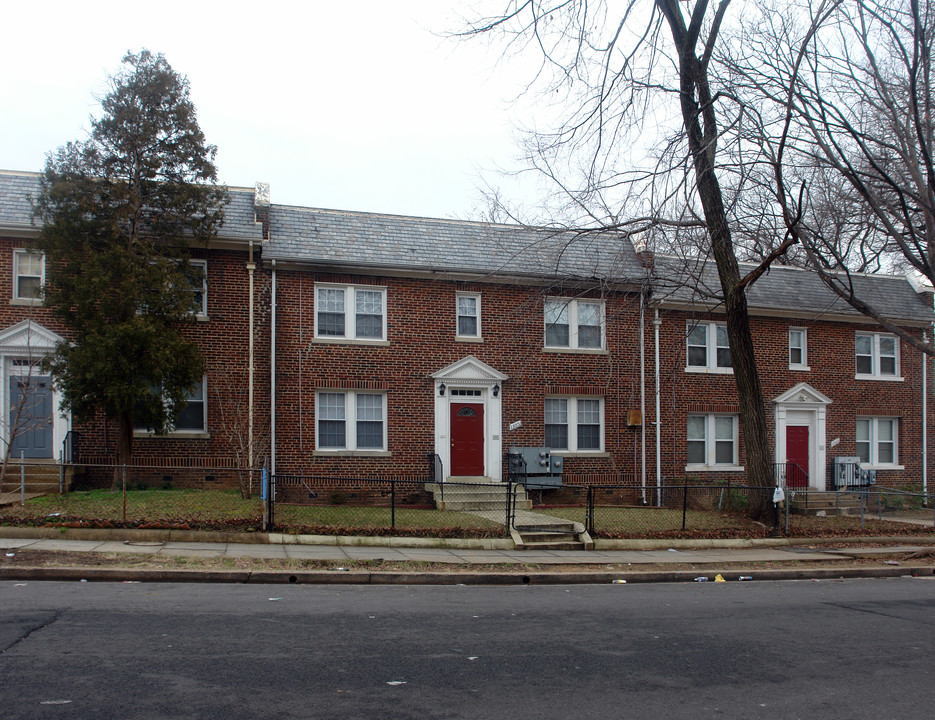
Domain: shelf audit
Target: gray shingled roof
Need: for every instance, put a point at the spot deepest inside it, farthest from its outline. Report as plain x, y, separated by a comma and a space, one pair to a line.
374, 241
793, 291
16, 189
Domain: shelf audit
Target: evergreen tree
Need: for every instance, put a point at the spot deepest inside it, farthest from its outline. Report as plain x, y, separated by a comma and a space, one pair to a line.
119, 212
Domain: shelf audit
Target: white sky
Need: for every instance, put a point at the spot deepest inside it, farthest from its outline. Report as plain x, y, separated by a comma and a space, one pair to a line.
348, 105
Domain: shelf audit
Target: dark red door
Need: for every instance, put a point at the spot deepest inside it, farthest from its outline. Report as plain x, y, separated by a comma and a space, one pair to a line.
467, 439
797, 456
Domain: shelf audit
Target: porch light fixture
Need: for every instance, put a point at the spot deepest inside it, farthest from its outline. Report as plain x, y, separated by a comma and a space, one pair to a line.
496, 390
441, 389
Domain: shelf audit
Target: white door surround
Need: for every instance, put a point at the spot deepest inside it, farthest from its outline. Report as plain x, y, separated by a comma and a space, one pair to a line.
804, 406
22, 347
473, 381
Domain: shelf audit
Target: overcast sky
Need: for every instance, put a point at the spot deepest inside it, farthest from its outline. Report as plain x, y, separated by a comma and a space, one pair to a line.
349, 105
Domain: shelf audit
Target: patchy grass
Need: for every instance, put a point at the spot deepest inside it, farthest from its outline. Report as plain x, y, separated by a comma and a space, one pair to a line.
613, 521
226, 510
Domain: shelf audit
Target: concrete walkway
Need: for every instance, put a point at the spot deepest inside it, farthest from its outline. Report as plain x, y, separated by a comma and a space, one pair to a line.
453, 556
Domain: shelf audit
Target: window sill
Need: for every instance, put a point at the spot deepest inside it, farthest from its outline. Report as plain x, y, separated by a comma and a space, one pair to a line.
468, 339
352, 453
867, 466
880, 378
576, 351
714, 468
709, 370
26, 302
800, 368
175, 435
349, 341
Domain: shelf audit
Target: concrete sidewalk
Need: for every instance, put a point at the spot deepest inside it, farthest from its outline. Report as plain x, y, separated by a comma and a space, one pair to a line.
465, 557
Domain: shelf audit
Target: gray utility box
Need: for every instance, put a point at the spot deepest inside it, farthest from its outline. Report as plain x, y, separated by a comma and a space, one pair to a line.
534, 467
849, 474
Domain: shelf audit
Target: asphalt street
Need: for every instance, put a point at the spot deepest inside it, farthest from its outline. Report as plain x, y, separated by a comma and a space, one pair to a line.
802, 649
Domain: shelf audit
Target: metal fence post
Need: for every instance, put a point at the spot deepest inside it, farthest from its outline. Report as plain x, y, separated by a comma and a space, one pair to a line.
589, 510
509, 495
393, 504
22, 478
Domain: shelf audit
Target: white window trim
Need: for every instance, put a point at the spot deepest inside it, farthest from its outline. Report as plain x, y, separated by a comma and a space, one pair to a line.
350, 314
875, 359
710, 453
572, 449
201, 433
711, 367
572, 304
18, 253
479, 334
804, 364
874, 463
350, 424
202, 312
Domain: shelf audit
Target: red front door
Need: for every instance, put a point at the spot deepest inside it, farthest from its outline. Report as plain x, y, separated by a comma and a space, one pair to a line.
467, 439
797, 456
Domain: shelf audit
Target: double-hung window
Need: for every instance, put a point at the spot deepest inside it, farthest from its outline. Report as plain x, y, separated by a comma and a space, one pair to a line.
193, 417
707, 348
711, 441
877, 441
798, 349
877, 356
351, 421
574, 424
350, 312
28, 275
468, 315
574, 324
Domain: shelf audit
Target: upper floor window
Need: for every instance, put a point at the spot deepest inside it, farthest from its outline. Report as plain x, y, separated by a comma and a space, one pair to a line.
798, 349
351, 421
711, 441
574, 324
574, 424
351, 312
877, 356
28, 275
200, 287
877, 440
707, 348
468, 315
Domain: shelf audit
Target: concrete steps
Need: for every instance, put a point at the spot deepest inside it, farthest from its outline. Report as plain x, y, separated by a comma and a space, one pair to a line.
823, 503
40, 477
481, 494
532, 531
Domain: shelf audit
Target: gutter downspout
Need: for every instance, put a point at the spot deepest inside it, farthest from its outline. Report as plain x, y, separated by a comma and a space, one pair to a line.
272, 377
643, 395
656, 324
251, 266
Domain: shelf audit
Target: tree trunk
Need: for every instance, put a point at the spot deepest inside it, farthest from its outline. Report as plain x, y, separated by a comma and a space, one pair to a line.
124, 445
697, 106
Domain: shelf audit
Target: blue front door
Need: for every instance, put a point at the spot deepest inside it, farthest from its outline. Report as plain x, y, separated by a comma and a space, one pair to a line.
30, 417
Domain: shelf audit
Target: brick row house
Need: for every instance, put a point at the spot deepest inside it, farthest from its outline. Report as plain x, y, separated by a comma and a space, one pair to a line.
380, 342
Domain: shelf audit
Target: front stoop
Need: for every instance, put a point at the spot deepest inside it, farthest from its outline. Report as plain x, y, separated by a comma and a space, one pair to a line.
480, 494
39, 477
831, 502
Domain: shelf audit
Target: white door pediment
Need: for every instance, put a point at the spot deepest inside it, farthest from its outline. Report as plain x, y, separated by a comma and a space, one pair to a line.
28, 337
802, 394
469, 368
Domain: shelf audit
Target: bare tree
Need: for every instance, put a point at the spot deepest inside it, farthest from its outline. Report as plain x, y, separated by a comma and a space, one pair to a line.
634, 79
840, 99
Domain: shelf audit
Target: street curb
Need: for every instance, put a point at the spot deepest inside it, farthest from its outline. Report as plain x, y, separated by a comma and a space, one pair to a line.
330, 577
258, 538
